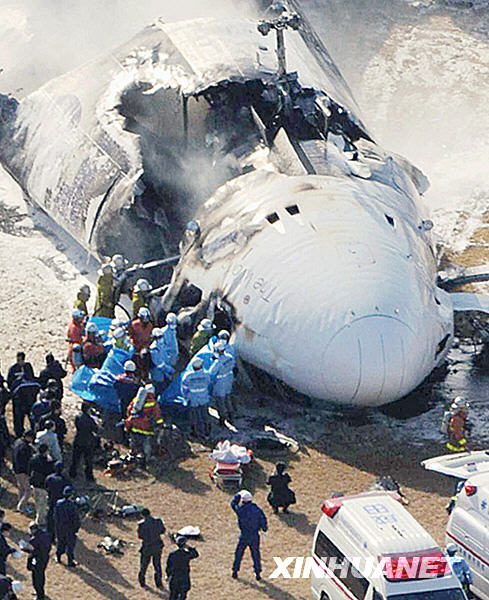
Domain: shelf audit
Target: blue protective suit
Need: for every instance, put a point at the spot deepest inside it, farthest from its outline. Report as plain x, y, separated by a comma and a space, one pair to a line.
222, 375
195, 387
251, 520
170, 342
460, 568
162, 369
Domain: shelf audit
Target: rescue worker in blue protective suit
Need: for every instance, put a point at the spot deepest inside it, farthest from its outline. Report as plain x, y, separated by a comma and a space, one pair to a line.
459, 567
223, 336
195, 388
161, 371
251, 520
170, 338
67, 523
222, 379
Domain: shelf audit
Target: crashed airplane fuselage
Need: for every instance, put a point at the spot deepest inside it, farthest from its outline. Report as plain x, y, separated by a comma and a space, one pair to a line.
312, 237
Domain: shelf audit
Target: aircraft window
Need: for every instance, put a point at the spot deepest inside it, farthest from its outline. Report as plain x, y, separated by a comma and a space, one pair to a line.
390, 220
442, 344
272, 218
292, 210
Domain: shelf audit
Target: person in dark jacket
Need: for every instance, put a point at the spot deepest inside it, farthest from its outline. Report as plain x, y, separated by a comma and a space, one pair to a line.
85, 442
5, 549
251, 520
4, 392
5, 440
7, 588
20, 367
55, 486
42, 410
22, 452
178, 569
52, 370
23, 398
150, 531
280, 495
126, 386
38, 547
67, 523
59, 426
40, 466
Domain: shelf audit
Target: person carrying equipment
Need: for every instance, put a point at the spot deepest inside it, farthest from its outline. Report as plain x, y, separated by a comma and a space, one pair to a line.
205, 330
140, 329
178, 569
251, 520
82, 297
222, 379
140, 295
460, 568
195, 388
104, 304
458, 426
143, 419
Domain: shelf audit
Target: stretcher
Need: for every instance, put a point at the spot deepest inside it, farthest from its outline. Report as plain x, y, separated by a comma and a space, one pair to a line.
227, 476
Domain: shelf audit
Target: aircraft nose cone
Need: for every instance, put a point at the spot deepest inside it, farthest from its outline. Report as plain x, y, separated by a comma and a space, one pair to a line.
371, 361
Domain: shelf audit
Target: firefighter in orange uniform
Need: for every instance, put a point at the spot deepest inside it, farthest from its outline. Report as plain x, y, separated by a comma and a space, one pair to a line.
143, 419
75, 334
140, 329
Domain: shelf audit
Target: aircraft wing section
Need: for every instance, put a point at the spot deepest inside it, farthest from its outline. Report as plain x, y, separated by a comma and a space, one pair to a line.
463, 302
461, 466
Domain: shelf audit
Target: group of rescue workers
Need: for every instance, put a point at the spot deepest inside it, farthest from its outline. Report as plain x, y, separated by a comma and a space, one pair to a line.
152, 356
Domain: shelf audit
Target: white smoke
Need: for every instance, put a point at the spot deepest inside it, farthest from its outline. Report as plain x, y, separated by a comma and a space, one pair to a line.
40, 39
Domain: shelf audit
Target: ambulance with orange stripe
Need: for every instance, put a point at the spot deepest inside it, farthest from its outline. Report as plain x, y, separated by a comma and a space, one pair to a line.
369, 547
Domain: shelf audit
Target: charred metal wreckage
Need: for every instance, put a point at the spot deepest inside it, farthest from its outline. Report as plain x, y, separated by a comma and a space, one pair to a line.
311, 240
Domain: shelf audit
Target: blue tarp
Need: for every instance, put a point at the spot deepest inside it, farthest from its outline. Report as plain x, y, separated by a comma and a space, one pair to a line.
102, 323
80, 381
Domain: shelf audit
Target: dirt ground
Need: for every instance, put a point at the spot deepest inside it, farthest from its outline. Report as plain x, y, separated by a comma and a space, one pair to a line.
39, 283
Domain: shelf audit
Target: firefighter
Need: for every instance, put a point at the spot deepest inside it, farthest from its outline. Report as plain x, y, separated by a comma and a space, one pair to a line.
119, 265
93, 350
222, 379
170, 338
143, 419
204, 332
75, 335
140, 329
458, 426
140, 295
82, 297
104, 304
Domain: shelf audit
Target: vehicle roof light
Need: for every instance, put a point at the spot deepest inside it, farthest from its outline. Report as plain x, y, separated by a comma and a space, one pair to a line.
470, 490
426, 564
331, 507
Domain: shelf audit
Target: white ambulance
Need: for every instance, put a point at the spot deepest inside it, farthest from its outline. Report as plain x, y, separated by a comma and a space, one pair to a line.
369, 547
468, 525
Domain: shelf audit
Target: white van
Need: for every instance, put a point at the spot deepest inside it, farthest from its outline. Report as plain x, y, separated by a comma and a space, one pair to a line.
468, 525
369, 547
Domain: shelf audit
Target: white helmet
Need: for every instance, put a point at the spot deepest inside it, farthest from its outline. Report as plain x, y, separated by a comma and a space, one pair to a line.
77, 313
142, 285
150, 388
246, 496
115, 323
205, 325
143, 313
17, 587
224, 335
130, 366
92, 327
459, 402
171, 319
219, 346
85, 289
197, 363
119, 333
117, 261
157, 332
